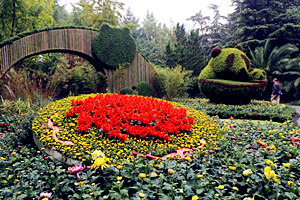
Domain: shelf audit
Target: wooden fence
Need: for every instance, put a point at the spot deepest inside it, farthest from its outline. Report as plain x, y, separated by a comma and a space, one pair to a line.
79, 42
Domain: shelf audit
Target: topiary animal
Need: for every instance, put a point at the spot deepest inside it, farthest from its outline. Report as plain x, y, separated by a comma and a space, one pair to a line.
228, 78
113, 47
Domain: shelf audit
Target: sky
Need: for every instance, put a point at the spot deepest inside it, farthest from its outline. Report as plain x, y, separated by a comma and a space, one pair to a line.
169, 12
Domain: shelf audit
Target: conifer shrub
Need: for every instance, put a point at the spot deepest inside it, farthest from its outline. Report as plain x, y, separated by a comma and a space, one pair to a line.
113, 47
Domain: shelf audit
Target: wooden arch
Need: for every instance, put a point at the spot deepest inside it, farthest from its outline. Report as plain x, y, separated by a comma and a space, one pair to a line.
76, 41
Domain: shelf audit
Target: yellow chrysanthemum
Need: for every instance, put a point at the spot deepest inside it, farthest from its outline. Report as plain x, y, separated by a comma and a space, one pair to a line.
100, 162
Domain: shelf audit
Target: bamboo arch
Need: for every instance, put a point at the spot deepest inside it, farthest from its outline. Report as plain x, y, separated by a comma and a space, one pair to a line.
76, 41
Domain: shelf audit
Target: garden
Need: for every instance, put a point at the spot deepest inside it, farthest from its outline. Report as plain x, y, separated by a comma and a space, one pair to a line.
114, 108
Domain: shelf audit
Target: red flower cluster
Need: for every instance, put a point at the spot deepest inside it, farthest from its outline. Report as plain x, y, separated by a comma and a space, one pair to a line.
119, 116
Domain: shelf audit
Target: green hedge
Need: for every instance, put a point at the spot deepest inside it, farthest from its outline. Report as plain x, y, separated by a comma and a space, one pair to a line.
113, 46
23, 34
231, 92
126, 90
256, 110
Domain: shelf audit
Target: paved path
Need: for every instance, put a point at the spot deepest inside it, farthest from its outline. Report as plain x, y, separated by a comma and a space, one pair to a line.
298, 112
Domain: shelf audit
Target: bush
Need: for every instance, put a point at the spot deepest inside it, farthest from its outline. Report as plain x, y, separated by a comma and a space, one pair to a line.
144, 89
114, 46
15, 107
256, 110
231, 92
126, 90
174, 82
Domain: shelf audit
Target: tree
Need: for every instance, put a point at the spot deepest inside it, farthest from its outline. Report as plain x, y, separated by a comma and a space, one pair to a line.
130, 21
200, 20
92, 13
60, 15
24, 15
272, 59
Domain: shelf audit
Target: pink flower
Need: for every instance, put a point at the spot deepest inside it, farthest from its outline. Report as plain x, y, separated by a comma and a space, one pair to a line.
254, 147
75, 170
46, 158
88, 167
5, 153
224, 166
257, 155
45, 195
211, 151
232, 137
250, 151
19, 147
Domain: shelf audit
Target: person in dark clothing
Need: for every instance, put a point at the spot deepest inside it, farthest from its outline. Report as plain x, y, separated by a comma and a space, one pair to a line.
276, 92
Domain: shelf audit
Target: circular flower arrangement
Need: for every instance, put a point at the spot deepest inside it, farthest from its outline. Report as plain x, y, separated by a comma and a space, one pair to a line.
119, 125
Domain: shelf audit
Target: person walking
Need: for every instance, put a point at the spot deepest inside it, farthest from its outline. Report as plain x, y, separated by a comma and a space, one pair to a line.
276, 92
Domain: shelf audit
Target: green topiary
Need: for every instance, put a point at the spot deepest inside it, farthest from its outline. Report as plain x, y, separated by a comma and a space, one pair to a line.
126, 90
113, 46
257, 74
233, 65
144, 89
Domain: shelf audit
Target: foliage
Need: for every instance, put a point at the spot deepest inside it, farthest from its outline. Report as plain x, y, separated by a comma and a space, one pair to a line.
270, 58
233, 170
126, 90
19, 16
296, 103
174, 82
113, 46
12, 107
93, 13
80, 77
256, 110
144, 89
185, 49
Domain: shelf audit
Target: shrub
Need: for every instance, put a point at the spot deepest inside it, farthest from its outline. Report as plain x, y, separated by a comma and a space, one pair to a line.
126, 90
174, 82
113, 46
144, 89
15, 107
231, 92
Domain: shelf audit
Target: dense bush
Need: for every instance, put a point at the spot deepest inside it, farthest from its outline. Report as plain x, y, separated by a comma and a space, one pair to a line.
144, 89
174, 82
113, 46
256, 110
231, 92
126, 90
231, 65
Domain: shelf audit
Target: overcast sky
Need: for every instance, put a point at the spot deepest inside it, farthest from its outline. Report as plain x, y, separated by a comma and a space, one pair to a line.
169, 12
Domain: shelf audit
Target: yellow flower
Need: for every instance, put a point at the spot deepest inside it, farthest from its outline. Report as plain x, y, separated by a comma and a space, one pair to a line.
171, 171
4, 181
119, 167
142, 195
98, 154
13, 153
271, 174
81, 183
142, 175
195, 197
269, 162
119, 178
248, 198
290, 183
235, 188
200, 175
247, 172
232, 168
221, 187
100, 162
153, 174
286, 164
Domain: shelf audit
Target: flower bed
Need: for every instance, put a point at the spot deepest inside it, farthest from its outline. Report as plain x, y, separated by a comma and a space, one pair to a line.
252, 161
119, 125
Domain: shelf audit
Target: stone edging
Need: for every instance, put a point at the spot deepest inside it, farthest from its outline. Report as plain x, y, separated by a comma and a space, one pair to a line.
56, 156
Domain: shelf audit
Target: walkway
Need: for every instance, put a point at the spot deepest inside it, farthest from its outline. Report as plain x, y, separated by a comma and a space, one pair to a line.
297, 121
